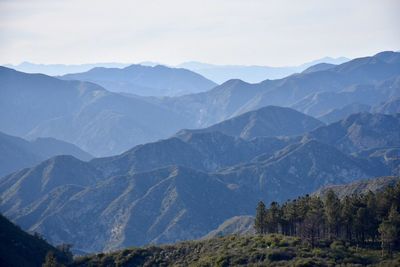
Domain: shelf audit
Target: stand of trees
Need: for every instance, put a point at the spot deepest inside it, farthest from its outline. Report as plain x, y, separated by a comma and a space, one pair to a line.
363, 220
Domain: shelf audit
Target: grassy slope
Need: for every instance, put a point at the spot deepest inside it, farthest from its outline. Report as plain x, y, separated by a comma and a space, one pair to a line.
271, 250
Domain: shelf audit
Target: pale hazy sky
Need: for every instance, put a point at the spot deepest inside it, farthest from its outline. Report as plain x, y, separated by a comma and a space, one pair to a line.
261, 32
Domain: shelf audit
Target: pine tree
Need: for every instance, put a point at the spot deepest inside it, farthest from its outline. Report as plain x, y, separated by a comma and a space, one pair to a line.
388, 232
332, 212
51, 261
260, 220
313, 224
273, 218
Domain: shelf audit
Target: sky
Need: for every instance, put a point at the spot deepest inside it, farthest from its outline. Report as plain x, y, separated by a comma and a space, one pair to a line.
248, 32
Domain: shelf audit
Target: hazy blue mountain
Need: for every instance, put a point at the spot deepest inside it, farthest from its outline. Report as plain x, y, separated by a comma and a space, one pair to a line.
61, 69
368, 80
186, 186
298, 169
267, 121
252, 74
341, 113
207, 151
319, 67
82, 113
146, 80
373, 94
17, 153
361, 131
391, 106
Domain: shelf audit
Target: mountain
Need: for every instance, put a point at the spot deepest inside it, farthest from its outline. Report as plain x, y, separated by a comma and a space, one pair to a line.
207, 151
61, 69
18, 248
237, 225
391, 106
17, 153
81, 113
368, 80
185, 186
180, 203
319, 67
146, 80
321, 103
252, 74
360, 187
268, 121
298, 169
360, 131
341, 113
96, 212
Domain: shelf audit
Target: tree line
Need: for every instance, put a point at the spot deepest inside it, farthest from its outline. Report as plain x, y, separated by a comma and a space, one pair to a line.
363, 220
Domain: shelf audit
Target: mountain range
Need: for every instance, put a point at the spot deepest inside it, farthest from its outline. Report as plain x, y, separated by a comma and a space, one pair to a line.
17, 153
81, 113
153, 182
252, 74
185, 186
142, 80
216, 73
370, 80
108, 123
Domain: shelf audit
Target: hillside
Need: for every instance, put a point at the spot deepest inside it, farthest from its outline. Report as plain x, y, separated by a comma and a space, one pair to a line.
17, 153
146, 80
244, 225
270, 250
18, 248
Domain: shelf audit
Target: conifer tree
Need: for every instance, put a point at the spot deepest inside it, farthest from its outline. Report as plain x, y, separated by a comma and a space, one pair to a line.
260, 220
332, 212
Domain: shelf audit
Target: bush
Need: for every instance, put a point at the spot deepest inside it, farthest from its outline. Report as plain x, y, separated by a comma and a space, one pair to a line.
281, 255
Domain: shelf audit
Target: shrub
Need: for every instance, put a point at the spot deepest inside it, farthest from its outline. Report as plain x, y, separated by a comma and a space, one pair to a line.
281, 255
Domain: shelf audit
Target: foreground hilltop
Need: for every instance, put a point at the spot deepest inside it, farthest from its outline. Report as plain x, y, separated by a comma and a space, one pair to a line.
270, 250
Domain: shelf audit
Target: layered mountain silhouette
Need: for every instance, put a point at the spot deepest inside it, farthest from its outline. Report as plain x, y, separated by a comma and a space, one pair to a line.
368, 80
253, 74
82, 113
105, 123
186, 186
146, 80
61, 69
361, 131
17, 153
267, 121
